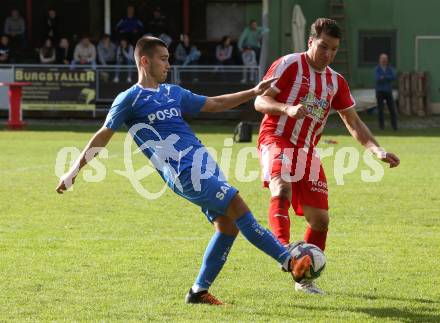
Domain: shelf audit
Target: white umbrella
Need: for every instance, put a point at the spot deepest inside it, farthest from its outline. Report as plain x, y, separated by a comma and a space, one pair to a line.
298, 29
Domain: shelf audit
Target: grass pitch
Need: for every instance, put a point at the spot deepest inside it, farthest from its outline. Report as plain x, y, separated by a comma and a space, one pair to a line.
104, 253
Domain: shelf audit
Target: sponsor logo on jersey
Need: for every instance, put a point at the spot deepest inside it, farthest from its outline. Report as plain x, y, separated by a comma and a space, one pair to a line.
163, 114
316, 107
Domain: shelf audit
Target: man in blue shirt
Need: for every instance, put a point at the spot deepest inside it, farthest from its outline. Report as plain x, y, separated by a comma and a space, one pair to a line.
129, 27
385, 76
153, 113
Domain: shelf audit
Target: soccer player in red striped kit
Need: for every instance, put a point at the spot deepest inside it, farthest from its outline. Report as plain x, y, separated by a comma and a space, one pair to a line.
296, 108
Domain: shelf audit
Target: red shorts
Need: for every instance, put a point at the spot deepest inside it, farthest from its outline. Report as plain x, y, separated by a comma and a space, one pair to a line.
300, 166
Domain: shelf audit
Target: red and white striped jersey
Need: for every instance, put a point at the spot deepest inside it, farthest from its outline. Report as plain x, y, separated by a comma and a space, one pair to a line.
299, 83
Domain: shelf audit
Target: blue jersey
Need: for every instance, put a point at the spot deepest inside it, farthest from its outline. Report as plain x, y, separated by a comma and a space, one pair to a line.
154, 117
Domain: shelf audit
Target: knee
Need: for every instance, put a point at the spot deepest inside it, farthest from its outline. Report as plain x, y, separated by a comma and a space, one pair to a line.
236, 208
320, 223
226, 226
280, 188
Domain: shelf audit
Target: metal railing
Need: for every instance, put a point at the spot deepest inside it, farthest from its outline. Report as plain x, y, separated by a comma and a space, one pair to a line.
106, 81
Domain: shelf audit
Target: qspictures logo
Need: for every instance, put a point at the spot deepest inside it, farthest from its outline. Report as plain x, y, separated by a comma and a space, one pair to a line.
166, 158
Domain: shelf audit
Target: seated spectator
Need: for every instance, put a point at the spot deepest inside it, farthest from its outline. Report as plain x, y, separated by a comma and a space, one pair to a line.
51, 26
47, 53
5, 50
64, 52
124, 56
84, 53
249, 59
15, 29
106, 51
158, 27
223, 52
251, 37
186, 53
130, 27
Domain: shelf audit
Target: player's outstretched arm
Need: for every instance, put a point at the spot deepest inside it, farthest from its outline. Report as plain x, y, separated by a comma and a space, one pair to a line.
363, 135
232, 100
98, 141
267, 104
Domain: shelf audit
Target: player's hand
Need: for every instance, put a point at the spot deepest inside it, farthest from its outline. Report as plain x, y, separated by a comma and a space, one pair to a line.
391, 159
263, 86
66, 181
296, 111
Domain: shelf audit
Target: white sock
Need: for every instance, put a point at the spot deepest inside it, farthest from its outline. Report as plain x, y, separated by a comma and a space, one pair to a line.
286, 264
196, 288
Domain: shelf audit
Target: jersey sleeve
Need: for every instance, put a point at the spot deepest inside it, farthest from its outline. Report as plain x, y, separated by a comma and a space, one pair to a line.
191, 103
343, 98
285, 68
119, 111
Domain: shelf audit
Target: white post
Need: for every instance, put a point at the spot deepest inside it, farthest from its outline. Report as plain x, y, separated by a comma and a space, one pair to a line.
107, 17
265, 41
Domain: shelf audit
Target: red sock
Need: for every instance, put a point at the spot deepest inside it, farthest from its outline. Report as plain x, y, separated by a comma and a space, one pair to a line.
317, 238
279, 218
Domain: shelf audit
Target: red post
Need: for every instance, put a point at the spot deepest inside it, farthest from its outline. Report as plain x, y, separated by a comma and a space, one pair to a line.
15, 120
29, 20
186, 16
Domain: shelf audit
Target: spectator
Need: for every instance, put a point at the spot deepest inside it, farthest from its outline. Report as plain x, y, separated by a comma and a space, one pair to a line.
51, 25
124, 56
64, 52
385, 76
223, 52
130, 27
5, 50
106, 51
251, 37
47, 52
84, 53
15, 28
249, 59
186, 53
158, 27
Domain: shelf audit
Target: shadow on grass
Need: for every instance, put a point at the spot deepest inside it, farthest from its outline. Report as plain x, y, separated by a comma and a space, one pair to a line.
428, 315
377, 297
335, 126
420, 314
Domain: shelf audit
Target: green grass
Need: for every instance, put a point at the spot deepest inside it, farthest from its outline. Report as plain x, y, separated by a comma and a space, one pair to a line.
103, 253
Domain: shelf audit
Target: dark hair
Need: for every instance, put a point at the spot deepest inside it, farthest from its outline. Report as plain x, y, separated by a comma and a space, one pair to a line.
146, 46
224, 39
45, 41
326, 26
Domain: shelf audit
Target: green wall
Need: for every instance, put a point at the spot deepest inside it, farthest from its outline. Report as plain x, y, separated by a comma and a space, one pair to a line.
407, 17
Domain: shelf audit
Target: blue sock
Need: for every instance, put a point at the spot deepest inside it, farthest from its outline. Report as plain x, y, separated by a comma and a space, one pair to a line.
262, 238
214, 258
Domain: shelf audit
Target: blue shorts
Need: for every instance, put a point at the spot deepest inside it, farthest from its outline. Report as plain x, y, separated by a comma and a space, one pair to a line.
212, 193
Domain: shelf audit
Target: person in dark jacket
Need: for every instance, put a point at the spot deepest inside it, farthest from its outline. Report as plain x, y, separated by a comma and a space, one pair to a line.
385, 76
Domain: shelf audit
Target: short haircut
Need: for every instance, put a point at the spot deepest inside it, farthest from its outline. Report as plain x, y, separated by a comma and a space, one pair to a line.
146, 46
326, 26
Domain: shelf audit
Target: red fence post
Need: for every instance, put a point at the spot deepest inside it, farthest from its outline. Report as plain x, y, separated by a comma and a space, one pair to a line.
15, 120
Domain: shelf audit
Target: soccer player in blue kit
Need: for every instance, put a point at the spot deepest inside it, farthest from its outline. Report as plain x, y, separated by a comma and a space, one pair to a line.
153, 112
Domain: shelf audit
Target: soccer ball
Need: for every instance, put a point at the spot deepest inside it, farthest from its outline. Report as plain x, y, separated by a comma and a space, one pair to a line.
300, 249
